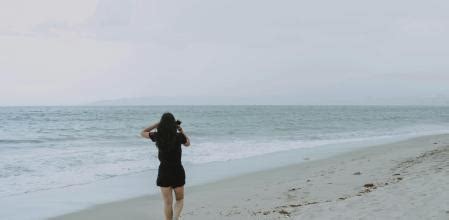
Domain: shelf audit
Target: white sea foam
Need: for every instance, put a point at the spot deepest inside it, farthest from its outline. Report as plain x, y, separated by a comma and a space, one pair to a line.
36, 169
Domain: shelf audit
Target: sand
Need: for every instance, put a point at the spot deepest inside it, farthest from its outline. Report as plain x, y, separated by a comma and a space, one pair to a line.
403, 180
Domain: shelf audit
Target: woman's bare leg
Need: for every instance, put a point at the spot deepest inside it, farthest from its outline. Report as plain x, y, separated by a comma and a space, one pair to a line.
167, 195
179, 195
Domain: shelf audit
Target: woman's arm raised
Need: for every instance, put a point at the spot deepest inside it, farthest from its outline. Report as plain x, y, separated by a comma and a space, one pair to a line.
187, 143
145, 133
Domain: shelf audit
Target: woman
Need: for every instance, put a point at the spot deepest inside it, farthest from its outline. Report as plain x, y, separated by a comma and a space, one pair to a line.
171, 175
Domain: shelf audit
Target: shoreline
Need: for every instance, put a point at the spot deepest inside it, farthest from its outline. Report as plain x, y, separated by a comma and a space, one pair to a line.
310, 190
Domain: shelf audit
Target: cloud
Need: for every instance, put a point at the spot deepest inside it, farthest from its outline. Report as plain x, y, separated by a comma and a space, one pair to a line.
112, 48
22, 16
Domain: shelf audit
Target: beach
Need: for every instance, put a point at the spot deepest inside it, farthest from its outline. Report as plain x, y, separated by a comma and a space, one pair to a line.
403, 180
290, 109
274, 109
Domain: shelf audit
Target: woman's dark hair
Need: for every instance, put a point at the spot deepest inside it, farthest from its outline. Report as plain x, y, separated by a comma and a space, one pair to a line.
166, 132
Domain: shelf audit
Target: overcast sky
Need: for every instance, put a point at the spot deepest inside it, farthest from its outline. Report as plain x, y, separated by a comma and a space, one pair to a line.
58, 52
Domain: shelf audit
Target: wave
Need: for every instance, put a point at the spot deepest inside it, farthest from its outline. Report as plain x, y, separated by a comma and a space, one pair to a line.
51, 168
23, 141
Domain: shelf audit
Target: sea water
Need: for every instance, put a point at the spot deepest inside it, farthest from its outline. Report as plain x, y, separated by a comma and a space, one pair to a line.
63, 149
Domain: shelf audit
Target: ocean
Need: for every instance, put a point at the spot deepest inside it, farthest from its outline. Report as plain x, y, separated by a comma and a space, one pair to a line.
47, 148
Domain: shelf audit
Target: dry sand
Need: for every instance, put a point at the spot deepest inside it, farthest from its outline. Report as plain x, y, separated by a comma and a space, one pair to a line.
404, 180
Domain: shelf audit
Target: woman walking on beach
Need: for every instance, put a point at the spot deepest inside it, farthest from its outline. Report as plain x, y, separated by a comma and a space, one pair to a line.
171, 175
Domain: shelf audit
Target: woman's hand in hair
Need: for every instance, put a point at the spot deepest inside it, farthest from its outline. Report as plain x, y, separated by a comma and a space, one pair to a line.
145, 133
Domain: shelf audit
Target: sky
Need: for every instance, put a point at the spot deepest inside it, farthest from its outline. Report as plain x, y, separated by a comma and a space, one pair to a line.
71, 52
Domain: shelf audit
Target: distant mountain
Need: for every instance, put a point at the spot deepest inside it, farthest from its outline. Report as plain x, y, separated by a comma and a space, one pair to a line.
272, 100
178, 100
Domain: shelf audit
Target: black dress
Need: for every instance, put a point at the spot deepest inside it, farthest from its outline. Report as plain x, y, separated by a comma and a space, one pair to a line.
171, 172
